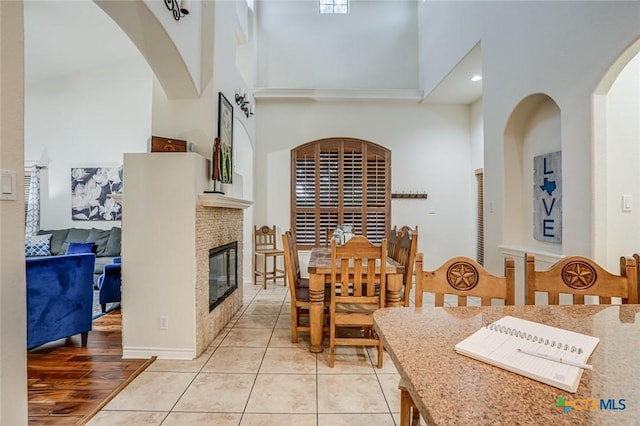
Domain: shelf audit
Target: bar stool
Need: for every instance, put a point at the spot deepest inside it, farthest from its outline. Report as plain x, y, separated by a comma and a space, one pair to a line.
264, 248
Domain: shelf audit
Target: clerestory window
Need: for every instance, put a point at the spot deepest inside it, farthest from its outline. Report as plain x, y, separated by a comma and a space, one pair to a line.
334, 6
340, 181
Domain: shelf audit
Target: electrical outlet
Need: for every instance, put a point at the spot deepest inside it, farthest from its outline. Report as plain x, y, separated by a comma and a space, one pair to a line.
164, 322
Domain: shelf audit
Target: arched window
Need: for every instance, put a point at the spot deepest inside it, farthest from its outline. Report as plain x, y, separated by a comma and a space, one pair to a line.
340, 181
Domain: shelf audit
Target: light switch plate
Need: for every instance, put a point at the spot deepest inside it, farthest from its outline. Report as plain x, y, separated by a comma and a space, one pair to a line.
627, 203
8, 188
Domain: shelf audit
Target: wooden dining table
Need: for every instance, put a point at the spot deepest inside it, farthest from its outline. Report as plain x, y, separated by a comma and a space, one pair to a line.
449, 388
320, 276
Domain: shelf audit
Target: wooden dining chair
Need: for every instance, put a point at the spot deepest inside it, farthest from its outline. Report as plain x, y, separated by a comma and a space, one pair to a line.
462, 277
298, 291
406, 248
358, 286
265, 249
295, 260
579, 276
328, 235
392, 242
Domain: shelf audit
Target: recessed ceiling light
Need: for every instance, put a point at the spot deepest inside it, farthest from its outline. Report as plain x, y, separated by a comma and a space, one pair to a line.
476, 78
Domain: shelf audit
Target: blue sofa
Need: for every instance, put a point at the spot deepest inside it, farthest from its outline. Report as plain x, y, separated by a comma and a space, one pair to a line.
59, 297
107, 244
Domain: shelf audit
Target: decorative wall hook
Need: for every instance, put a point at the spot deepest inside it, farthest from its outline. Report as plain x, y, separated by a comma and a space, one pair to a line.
245, 105
179, 10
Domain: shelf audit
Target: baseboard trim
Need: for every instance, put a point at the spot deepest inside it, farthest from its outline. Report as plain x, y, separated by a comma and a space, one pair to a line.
159, 353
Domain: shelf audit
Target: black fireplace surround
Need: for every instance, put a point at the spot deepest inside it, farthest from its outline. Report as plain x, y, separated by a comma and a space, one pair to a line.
223, 273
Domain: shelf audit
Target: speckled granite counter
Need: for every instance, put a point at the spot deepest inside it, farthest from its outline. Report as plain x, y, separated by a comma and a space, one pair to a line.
449, 388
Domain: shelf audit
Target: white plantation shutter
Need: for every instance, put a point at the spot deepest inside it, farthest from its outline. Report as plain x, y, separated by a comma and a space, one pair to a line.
377, 196
305, 198
340, 181
27, 184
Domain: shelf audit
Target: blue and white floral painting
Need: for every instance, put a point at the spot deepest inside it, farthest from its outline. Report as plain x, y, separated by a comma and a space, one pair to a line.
90, 189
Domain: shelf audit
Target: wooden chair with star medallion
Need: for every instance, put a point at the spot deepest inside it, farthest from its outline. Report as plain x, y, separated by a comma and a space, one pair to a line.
460, 277
577, 277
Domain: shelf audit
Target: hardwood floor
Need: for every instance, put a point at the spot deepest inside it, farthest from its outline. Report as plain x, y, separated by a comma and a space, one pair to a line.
68, 384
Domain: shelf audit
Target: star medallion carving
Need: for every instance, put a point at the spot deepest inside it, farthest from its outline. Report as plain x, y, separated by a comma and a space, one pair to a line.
462, 276
578, 275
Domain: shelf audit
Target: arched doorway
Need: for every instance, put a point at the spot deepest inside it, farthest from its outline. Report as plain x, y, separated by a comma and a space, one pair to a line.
533, 130
616, 160
243, 182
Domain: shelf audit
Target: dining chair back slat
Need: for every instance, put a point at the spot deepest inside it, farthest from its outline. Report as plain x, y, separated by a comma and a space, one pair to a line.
405, 254
392, 243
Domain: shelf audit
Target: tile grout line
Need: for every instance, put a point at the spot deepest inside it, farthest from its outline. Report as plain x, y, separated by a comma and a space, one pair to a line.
244, 411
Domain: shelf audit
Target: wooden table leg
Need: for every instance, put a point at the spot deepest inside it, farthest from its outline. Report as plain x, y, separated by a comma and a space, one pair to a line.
405, 408
394, 289
316, 311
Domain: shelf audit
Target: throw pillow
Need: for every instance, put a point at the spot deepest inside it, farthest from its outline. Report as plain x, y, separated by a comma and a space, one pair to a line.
113, 245
37, 245
100, 237
77, 248
58, 237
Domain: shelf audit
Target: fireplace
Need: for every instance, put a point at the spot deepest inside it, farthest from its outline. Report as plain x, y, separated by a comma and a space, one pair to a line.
223, 273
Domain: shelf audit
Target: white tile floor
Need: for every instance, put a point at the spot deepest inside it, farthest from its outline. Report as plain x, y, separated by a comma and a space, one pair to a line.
252, 374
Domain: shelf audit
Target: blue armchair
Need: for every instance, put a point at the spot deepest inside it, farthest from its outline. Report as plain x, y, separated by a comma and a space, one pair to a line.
59, 297
109, 284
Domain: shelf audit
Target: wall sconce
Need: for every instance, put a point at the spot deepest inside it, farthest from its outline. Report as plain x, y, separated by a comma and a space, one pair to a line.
178, 10
246, 106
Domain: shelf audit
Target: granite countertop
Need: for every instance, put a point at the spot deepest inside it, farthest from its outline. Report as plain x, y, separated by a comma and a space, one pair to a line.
450, 388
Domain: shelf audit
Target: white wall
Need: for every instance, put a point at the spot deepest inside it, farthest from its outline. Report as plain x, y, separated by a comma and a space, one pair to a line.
85, 119
477, 156
477, 135
196, 120
533, 47
541, 135
13, 318
430, 151
185, 34
622, 159
372, 47
193, 120
160, 229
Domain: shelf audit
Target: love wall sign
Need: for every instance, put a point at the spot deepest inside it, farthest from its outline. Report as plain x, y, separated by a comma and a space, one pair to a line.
547, 197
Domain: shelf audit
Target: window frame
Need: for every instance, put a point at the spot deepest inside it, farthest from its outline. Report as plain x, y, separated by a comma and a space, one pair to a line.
334, 6
374, 192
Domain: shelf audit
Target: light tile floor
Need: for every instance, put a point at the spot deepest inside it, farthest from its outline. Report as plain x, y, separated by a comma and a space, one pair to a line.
252, 374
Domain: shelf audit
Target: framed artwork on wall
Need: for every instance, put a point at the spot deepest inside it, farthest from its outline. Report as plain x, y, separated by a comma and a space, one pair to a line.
223, 147
91, 190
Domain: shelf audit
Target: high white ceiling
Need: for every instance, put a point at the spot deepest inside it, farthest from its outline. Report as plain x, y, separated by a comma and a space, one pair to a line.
62, 37
67, 36
457, 87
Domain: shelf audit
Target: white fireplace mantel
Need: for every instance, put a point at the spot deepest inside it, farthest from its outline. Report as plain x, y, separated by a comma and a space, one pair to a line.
220, 200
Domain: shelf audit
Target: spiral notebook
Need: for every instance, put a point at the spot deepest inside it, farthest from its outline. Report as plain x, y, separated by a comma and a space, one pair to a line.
500, 344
